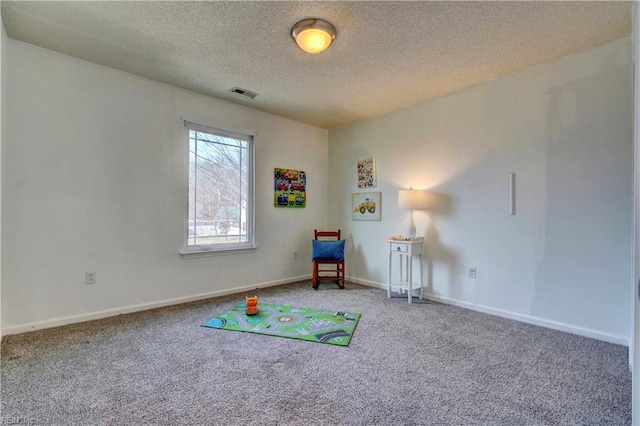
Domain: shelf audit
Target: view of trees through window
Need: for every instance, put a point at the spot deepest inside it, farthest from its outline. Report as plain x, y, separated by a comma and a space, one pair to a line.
218, 189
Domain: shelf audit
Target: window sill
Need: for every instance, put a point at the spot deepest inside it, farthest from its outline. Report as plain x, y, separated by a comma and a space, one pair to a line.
203, 252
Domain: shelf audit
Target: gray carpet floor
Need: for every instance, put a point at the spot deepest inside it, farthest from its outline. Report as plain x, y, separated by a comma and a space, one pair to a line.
408, 364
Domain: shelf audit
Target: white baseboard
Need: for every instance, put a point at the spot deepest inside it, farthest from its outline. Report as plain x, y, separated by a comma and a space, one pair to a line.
366, 282
73, 319
554, 325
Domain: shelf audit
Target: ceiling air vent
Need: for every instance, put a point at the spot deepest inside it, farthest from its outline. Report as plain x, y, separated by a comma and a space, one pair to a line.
243, 92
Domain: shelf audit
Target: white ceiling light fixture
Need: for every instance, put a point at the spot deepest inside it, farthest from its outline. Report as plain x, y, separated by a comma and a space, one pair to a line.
313, 35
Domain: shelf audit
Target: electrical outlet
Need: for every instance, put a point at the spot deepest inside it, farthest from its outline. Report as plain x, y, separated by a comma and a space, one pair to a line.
90, 277
295, 255
472, 273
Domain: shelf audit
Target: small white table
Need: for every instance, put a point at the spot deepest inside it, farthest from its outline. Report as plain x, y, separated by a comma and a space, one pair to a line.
405, 250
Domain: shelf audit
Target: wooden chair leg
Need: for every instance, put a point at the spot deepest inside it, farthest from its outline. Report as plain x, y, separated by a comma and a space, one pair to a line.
314, 279
338, 278
340, 274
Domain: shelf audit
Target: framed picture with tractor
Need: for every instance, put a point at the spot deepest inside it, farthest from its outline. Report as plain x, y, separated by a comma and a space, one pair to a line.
366, 206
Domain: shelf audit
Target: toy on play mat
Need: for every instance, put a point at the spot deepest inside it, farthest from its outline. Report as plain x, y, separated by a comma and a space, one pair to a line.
252, 305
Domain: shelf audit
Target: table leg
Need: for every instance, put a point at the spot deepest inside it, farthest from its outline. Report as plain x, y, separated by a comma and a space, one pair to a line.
410, 276
421, 280
389, 277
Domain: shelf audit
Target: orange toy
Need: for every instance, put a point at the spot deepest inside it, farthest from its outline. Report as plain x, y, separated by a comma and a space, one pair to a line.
252, 305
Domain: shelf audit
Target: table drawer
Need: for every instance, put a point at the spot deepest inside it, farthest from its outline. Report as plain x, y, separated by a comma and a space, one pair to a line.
400, 248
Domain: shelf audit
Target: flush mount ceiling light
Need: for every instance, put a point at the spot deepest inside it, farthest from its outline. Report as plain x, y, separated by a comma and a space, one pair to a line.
313, 35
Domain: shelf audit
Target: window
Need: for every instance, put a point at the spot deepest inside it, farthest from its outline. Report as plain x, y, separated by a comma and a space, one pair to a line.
221, 201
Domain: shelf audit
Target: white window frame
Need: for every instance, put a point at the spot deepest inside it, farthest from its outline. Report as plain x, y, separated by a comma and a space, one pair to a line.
231, 247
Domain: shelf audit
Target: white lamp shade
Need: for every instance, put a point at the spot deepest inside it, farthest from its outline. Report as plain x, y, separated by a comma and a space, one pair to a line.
313, 40
412, 199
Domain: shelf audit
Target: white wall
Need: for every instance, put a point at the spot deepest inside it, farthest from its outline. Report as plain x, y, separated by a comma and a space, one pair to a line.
634, 348
3, 36
95, 180
566, 130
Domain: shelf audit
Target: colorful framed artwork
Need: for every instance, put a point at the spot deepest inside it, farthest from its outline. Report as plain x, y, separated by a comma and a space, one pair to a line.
366, 206
367, 173
290, 188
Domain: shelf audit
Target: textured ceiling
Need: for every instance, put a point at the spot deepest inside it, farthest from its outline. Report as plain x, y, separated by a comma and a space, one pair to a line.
387, 55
